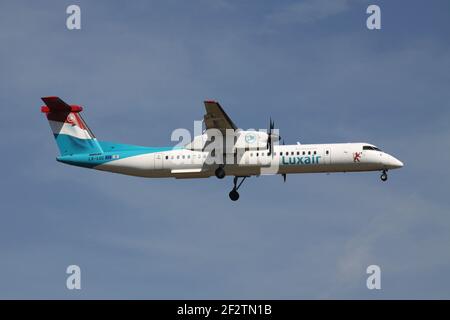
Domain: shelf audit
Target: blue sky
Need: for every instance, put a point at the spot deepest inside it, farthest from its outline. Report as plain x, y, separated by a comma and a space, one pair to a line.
143, 69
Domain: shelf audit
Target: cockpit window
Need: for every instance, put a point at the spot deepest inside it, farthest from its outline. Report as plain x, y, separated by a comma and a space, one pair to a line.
371, 148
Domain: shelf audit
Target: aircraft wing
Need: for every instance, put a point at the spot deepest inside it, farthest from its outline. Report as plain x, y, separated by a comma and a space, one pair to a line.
216, 118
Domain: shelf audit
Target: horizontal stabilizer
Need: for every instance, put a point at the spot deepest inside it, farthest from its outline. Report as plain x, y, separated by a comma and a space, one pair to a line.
55, 104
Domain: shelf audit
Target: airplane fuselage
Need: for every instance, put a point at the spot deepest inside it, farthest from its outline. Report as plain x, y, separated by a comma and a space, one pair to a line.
286, 159
221, 150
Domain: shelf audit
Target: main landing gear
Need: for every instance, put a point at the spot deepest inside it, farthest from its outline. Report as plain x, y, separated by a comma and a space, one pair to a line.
220, 172
234, 195
384, 176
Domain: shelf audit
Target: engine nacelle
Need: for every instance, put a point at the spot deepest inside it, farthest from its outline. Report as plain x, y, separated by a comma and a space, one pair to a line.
242, 139
251, 140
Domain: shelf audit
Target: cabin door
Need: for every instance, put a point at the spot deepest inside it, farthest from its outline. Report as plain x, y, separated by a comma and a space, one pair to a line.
326, 155
158, 161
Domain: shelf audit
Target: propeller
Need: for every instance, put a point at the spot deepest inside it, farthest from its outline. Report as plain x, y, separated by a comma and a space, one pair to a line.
269, 136
284, 174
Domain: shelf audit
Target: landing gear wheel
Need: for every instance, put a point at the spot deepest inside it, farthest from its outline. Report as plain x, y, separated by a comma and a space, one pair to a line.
384, 176
220, 173
234, 195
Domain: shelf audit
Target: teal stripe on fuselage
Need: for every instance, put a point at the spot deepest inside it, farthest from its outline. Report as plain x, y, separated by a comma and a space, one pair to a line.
70, 145
112, 146
111, 151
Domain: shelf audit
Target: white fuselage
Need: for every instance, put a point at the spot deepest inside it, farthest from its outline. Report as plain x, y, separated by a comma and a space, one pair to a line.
286, 159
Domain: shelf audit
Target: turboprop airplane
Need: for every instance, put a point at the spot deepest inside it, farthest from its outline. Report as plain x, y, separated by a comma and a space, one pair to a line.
250, 153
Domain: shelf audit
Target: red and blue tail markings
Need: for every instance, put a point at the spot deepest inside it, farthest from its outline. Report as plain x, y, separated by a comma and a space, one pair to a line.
76, 142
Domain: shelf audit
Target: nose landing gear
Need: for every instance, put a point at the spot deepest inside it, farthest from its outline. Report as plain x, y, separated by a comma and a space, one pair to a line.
234, 195
384, 176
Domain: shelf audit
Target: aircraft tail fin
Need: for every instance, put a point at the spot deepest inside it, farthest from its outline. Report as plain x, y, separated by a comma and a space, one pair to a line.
71, 133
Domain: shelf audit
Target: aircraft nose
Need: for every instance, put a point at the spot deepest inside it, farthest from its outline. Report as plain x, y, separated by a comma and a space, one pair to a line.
394, 163
398, 163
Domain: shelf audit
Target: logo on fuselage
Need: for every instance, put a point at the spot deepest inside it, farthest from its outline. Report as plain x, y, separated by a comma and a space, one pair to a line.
300, 160
250, 138
357, 157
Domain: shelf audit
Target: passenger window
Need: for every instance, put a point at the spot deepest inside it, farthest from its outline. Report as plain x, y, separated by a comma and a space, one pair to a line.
178, 157
167, 157
281, 153
327, 152
315, 152
303, 153
309, 152
183, 156
298, 152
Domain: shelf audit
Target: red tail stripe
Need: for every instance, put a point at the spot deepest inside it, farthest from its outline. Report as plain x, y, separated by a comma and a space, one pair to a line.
73, 108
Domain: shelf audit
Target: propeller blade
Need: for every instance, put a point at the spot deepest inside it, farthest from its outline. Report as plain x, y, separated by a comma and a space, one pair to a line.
269, 136
284, 177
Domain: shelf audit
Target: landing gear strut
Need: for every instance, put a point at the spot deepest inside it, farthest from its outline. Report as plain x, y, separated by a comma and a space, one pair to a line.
384, 176
220, 172
234, 195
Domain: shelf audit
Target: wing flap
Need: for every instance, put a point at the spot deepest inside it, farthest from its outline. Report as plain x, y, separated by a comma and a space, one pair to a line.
189, 173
